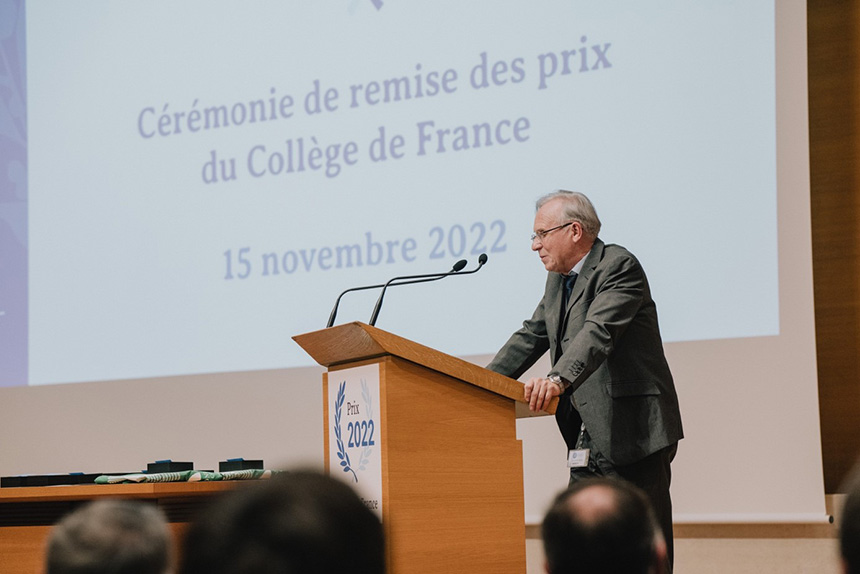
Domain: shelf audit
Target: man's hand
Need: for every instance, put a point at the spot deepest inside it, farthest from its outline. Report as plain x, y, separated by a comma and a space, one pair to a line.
539, 392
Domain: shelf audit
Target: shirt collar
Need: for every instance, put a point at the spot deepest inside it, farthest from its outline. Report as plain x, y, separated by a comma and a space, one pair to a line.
580, 264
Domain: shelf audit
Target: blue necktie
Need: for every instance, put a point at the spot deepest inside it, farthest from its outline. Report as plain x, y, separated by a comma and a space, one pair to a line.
568, 288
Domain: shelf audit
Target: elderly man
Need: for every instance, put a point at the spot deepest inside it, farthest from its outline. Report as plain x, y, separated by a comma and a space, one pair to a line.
618, 411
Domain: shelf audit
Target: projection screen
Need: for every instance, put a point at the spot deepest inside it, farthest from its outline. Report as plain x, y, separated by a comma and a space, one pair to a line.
188, 185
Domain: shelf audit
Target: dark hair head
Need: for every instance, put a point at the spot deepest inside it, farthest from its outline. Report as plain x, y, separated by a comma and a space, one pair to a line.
849, 527
110, 537
600, 525
298, 522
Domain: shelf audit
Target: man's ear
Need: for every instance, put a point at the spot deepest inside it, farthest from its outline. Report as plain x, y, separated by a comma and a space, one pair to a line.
661, 556
546, 567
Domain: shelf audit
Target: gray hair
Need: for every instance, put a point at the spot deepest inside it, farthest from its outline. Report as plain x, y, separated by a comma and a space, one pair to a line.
110, 536
577, 207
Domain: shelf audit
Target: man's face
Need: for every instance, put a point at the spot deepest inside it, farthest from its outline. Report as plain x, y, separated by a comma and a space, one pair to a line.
558, 248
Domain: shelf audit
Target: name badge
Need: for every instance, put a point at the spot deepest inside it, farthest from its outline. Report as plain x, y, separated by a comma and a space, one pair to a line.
577, 457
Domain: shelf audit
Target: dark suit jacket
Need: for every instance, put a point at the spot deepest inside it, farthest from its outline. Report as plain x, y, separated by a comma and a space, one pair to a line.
610, 350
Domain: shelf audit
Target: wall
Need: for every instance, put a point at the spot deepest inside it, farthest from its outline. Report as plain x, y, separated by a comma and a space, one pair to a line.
834, 103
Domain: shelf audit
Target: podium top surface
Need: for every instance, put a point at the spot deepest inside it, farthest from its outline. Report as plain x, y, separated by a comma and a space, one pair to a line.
352, 342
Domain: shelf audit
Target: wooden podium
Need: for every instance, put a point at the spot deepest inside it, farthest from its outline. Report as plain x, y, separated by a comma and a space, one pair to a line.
451, 464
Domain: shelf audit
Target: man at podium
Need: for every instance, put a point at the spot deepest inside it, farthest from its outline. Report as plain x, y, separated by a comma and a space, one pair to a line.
618, 409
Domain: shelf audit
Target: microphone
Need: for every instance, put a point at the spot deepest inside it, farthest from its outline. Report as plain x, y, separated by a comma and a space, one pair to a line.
481, 261
413, 279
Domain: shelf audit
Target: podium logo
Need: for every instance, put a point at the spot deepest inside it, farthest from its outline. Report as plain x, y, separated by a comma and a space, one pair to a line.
359, 430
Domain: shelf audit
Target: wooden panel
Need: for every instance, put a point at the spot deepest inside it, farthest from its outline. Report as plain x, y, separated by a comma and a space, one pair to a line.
325, 424
22, 546
454, 475
834, 106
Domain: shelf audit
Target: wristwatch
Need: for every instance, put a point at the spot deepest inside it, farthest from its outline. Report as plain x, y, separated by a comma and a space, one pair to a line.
562, 384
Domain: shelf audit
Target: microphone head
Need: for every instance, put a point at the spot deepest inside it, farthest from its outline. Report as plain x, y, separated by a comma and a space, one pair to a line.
458, 266
482, 259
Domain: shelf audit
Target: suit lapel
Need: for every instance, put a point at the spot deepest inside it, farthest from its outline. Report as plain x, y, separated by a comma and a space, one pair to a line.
555, 322
591, 260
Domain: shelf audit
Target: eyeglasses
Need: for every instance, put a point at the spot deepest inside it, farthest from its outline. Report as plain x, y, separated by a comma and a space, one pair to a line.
544, 232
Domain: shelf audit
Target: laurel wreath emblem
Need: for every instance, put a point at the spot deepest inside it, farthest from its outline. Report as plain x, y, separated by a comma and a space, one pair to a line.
341, 451
366, 451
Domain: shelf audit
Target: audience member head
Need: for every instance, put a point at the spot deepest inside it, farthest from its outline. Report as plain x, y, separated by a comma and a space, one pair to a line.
295, 523
603, 525
110, 537
849, 525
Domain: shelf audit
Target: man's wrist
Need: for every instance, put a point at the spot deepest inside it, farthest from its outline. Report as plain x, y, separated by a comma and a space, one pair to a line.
558, 381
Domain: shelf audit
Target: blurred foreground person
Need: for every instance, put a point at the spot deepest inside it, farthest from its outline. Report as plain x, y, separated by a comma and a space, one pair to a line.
849, 526
604, 526
110, 537
297, 522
